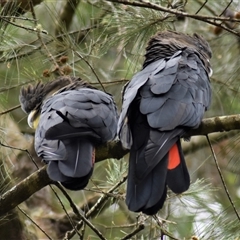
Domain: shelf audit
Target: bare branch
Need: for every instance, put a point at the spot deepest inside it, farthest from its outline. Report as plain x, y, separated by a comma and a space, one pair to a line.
23, 190
23, 27
202, 6
204, 18
10, 109
134, 232
217, 124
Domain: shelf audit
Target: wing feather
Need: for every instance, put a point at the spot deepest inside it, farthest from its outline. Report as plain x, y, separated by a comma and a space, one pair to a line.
71, 124
161, 102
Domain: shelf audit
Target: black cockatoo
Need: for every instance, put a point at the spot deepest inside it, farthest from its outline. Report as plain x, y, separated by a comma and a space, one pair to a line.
71, 118
160, 104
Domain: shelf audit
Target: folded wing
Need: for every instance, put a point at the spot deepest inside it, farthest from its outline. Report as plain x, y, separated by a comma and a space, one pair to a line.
71, 125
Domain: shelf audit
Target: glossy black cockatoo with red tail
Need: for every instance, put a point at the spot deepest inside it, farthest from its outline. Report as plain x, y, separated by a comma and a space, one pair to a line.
160, 104
71, 119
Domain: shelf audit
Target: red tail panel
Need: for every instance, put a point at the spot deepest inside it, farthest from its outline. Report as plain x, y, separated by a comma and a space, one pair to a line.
173, 157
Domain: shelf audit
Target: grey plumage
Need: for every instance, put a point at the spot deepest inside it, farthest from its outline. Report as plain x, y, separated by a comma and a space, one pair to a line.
73, 121
32, 96
161, 102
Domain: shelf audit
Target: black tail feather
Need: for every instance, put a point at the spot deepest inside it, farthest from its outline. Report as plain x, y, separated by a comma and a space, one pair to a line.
76, 169
155, 208
148, 194
178, 179
77, 183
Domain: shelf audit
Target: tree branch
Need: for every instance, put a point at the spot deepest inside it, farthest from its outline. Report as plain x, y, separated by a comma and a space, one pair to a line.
204, 18
217, 124
39, 179
23, 190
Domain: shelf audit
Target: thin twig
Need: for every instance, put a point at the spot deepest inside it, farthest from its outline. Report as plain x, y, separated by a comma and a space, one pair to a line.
65, 210
42, 42
23, 27
72, 204
119, 226
23, 150
148, 4
84, 219
225, 8
116, 196
99, 234
19, 18
222, 178
10, 110
95, 208
124, 81
94, 72
30, 219
3, 89
80, 215
202, 6
134, 232
208, 19
164, 231
38, 47
207, 8
104, 197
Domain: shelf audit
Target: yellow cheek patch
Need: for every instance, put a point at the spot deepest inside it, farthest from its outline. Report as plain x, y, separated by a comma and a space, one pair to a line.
33, 119
36, 122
